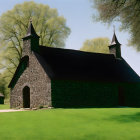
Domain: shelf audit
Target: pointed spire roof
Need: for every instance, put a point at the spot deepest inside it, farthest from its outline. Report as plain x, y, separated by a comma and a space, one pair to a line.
114, 39
31, 31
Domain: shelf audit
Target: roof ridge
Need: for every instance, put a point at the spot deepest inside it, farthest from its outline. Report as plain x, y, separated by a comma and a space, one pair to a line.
78, 51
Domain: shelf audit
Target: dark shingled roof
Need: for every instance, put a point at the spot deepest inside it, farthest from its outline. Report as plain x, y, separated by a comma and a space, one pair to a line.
25, 58
77, 65
66, 64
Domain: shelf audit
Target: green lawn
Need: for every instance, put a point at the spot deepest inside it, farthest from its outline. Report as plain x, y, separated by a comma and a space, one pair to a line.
71, 124
5, 106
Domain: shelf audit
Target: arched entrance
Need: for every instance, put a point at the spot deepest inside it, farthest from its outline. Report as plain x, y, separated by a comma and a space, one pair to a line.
26, 97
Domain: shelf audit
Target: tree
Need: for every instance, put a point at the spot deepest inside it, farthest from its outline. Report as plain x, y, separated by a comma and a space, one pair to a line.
14, 23
3, 86
99, 45
125, 11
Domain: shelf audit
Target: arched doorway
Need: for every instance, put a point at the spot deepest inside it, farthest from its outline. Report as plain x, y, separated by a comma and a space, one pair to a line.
26, 97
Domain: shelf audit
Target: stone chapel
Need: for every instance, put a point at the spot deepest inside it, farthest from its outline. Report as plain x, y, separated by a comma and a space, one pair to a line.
57, 77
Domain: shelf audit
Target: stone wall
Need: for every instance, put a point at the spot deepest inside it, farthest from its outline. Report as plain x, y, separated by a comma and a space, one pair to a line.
36, 79
83, 94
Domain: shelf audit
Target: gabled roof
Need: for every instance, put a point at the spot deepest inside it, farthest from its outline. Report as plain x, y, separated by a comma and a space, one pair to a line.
18, 71
67, 64
77, 65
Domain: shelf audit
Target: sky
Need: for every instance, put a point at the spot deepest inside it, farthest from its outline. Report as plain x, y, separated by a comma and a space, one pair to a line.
78, 14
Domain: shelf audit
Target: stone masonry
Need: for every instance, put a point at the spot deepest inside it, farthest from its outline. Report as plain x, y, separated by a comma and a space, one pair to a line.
35, 78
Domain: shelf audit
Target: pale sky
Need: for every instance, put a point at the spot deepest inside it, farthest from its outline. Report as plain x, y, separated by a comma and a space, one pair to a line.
78, 14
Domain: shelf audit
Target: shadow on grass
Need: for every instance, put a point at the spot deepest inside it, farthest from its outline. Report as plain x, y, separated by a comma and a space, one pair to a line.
127, 118
86, 107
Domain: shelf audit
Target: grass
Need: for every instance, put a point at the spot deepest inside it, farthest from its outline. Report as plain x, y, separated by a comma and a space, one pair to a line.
71, 124
5, 106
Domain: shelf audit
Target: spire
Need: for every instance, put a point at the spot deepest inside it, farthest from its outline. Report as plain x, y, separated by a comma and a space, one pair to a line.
31, 40
31, 31
114, 39
115, 46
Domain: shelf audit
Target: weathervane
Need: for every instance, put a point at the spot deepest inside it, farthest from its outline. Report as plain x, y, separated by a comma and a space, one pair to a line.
30, 20
114, 28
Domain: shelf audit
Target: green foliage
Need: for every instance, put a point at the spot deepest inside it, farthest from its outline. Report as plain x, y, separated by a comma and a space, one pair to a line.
99, 45
72, 124
40, 107
14, 23
3, 86
125, 11
49, 25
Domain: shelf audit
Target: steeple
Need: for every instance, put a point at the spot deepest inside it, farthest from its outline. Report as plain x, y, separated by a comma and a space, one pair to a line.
114, 40
115, 47
31, 32
31, 40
